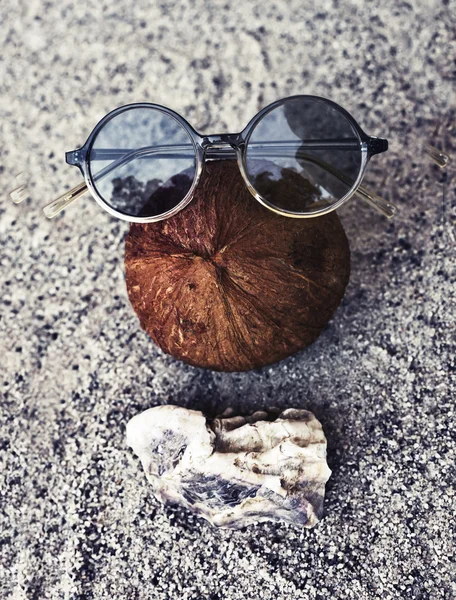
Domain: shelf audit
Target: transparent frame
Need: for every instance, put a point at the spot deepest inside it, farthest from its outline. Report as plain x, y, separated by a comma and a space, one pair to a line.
219, 147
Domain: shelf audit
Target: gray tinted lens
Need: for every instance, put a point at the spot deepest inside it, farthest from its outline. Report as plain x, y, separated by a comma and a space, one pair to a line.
142, 162
303, 155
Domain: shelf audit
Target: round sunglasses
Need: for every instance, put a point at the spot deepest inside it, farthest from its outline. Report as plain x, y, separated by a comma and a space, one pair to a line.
302, 156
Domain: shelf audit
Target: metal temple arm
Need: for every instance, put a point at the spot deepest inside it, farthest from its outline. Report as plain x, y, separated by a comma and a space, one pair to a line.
437, 156
387, 209
121, 157
56, 206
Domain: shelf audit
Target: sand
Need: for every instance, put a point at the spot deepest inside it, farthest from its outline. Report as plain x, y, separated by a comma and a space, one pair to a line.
77, 519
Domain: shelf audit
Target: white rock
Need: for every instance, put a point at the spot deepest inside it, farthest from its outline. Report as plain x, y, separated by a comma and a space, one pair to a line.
235, 470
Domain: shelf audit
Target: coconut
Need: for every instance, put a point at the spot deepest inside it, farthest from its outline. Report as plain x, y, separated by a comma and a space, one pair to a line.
229, 285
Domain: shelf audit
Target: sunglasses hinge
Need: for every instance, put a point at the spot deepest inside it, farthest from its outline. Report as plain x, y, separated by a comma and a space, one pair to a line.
377, 145
75, 157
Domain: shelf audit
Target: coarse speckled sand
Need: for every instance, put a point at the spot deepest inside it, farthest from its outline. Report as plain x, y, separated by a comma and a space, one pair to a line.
77, 517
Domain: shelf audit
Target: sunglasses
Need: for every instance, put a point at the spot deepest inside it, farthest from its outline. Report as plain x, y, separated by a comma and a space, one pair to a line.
302, 156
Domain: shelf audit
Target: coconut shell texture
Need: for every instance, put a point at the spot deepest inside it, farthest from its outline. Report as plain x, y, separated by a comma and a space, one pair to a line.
227, 284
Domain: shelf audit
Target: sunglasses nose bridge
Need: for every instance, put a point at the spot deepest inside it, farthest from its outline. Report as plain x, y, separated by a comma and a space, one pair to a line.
222, 139
221, 146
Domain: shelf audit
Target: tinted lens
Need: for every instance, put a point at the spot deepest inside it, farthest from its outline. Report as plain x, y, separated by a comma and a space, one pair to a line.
303, 155
142, 162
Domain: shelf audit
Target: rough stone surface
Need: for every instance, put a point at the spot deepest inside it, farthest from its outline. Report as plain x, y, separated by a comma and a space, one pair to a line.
77, 519
234, 470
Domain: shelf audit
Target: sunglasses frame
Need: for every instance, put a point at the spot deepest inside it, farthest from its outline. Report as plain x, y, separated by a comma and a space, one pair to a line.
369, 145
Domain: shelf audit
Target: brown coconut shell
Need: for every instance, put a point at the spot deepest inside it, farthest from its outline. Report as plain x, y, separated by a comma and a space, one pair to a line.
229, 285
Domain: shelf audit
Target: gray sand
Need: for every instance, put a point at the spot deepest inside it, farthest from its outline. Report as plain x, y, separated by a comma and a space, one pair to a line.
77, 519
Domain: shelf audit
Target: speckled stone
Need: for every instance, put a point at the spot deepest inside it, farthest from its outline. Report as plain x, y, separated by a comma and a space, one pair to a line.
77, 520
